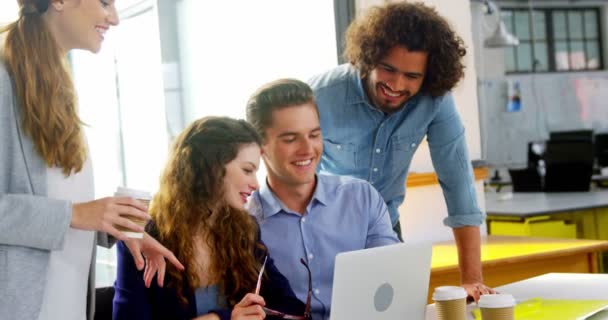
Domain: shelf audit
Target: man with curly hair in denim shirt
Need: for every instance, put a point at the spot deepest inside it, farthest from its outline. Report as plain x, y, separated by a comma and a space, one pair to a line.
404, 59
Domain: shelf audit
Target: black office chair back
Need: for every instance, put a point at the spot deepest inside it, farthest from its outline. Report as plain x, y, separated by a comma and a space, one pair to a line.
526, 180
601, 149
103, 303
573, 135
569, 165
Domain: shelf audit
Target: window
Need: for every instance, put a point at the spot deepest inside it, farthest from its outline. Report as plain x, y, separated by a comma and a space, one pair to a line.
227, 56
8, 12
223, 58
558, 39
121, 100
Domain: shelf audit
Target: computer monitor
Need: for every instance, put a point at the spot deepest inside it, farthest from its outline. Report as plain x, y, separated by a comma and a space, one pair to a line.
569, 165
571, 135
601, 149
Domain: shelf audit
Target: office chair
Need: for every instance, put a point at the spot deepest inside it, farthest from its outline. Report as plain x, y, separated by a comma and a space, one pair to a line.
574, 135
601, 149
530, 179
569, 165
103, 303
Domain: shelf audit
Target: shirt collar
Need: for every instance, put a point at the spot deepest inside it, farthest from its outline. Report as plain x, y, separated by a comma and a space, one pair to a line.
356, 93
271, 204
320, 193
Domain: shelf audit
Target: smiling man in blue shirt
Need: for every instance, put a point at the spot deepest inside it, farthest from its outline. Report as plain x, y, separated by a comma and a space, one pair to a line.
303, 214
404, 60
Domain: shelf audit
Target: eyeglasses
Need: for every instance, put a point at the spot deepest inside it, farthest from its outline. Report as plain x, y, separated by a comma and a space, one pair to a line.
280, 314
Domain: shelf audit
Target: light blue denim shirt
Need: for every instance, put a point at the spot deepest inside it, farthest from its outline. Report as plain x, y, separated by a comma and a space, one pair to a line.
363, 142
344, 214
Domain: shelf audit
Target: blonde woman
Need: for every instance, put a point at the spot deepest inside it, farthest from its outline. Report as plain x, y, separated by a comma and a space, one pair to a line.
48, 218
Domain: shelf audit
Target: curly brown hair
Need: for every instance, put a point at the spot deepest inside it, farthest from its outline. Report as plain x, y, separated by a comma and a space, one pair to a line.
416, 27
190, 203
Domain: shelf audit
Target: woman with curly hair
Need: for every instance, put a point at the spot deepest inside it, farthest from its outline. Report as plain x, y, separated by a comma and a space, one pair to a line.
198, 213
404, 58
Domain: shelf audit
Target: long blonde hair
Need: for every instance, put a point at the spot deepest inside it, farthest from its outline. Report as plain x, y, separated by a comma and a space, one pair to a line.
44, 88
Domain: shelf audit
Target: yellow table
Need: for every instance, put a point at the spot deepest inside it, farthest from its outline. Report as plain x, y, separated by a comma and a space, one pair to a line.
507, 259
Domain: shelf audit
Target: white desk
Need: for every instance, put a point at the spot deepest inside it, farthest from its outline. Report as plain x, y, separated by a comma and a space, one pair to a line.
587, 212
582, 286
527, 204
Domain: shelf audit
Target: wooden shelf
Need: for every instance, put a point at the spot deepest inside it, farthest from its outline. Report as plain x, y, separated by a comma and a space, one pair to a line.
430, 178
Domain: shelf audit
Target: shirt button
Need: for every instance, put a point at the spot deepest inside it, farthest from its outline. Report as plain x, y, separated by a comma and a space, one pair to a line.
413, 145
339, 147
375, 169
310, 256
303, 220
378, 150
317, 291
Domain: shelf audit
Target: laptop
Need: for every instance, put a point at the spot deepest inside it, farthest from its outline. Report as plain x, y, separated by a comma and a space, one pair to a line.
384, 283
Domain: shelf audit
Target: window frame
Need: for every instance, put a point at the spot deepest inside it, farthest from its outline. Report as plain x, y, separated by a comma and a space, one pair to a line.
550, 41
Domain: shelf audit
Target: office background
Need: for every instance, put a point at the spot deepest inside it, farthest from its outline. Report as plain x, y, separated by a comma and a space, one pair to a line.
193, 58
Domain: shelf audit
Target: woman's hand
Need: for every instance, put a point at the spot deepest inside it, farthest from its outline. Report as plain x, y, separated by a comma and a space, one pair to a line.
249, 308
107, 213
154, 254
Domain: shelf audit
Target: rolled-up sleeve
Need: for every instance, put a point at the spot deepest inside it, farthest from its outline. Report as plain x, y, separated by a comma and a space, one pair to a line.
453, 167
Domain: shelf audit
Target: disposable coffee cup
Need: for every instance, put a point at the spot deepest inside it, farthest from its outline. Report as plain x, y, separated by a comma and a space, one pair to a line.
497, 306
142, 196
450, 303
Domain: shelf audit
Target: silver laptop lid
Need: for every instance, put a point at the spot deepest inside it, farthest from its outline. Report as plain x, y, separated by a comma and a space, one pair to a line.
385, 283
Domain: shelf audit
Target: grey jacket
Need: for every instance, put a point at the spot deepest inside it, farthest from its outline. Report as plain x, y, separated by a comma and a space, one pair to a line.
31, 225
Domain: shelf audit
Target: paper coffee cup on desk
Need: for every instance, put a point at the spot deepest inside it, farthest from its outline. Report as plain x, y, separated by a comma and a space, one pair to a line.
143, 197
497, 307
450, 303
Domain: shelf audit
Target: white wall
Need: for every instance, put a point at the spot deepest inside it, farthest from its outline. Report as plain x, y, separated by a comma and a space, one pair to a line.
489, 62
424, 209
550, 101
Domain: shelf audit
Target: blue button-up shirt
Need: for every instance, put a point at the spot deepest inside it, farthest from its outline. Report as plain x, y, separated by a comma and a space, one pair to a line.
344, 214
363, 142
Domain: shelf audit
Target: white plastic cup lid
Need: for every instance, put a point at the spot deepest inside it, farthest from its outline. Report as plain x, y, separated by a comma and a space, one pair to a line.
133, 193
499, 300
449, 293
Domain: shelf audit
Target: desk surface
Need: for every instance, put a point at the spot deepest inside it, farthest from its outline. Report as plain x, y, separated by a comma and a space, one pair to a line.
496, 250
599, 177
574, 286
527, 204
507, 259
551, 286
